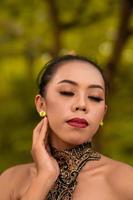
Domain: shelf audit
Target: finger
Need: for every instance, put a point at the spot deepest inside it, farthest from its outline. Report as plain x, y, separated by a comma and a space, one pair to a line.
36, 132
48, 148
43, 131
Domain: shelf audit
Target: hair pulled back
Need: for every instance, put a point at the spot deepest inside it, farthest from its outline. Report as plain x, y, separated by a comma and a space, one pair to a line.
50, 68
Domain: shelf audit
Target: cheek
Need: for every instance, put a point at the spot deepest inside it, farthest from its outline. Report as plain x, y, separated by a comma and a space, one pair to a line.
96, 117
52, 114
55, 104
54, 111
98, 113
52, 108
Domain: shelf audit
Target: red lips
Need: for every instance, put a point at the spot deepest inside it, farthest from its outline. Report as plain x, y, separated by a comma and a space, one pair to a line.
78, 122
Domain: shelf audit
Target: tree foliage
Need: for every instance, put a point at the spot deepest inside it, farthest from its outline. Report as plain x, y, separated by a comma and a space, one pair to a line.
31, 33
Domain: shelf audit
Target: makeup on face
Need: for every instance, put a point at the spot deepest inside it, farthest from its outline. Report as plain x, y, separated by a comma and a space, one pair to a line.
78, 122
70, 88
75, 86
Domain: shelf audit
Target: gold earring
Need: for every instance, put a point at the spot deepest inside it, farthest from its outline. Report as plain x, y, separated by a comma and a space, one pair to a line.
101, 123
42, 113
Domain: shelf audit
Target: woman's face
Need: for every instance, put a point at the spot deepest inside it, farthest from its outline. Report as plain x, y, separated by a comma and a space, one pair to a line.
75, 103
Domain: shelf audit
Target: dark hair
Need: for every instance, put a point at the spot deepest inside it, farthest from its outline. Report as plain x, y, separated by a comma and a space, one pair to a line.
51, 67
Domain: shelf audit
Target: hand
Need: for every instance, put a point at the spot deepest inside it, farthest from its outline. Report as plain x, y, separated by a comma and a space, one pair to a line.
44, 161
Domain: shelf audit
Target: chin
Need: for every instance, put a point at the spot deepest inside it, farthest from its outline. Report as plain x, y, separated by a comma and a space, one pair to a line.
75, 141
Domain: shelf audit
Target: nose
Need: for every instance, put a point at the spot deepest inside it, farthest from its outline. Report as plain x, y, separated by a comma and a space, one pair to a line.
80, 105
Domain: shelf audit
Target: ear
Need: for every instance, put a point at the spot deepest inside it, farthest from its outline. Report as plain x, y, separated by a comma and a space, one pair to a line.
40, 103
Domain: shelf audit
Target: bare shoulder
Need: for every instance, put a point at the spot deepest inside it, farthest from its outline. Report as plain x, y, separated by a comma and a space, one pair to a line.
118, 167
18, 170
15, 180
120, 176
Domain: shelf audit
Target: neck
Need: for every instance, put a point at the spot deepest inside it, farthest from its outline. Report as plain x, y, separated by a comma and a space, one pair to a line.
57, 143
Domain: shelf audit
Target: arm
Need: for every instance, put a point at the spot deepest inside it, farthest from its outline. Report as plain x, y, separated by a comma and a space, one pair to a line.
31, 183
47, 169
39, 187
6, 189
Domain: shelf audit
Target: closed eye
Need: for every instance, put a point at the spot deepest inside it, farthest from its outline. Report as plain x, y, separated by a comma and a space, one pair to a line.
65, 93
97, 99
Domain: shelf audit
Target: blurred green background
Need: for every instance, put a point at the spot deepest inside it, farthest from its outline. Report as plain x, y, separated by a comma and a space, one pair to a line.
32, 32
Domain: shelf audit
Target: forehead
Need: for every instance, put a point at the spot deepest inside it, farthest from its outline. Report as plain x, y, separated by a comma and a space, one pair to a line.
80, 72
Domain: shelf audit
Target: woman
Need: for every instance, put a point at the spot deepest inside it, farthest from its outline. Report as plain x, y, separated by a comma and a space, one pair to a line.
72, 100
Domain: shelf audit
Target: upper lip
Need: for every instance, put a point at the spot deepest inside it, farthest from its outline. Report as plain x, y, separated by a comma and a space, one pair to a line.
78, 120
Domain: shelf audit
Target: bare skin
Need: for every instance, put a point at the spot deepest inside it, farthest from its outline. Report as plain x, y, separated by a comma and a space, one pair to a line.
98, 180
105, 179
25, 178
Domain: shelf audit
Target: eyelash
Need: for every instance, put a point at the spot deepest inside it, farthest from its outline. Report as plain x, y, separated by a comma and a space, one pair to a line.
67, 93
97, 99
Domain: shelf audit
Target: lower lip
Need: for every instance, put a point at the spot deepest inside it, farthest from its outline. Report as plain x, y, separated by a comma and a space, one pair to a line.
77, 125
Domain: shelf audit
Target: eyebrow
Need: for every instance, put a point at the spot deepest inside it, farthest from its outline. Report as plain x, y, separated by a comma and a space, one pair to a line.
76, 84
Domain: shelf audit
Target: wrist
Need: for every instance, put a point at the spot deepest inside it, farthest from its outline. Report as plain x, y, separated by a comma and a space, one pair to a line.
51, 177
